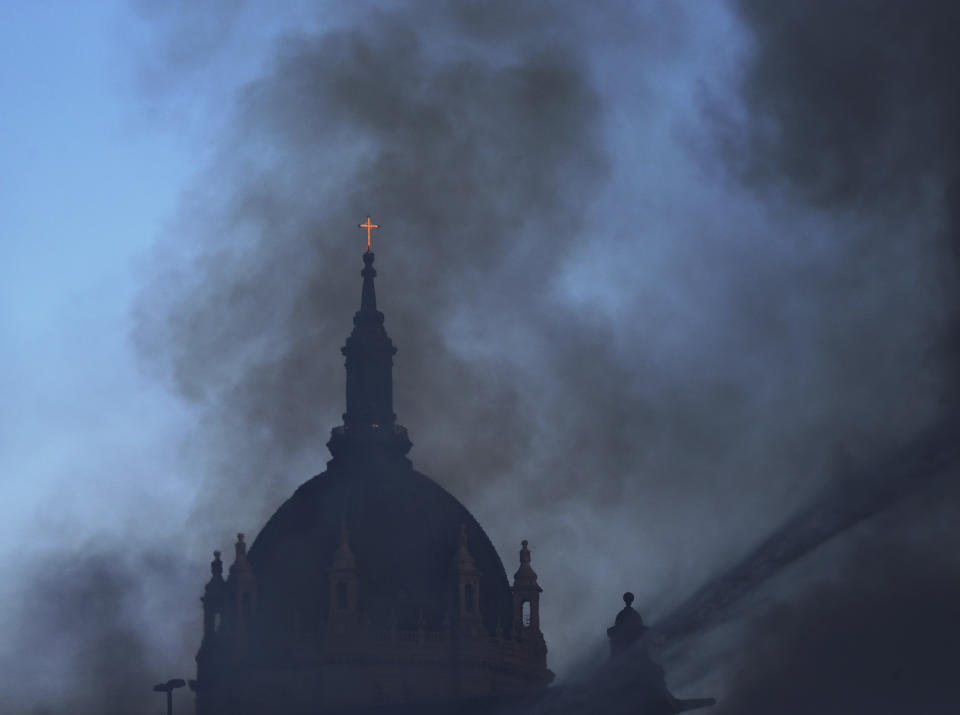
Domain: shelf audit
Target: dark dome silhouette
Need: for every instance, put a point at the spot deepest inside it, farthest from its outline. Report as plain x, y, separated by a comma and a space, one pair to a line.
372, 585
403, 529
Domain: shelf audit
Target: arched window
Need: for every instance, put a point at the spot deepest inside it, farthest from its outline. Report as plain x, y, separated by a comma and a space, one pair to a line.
525, 613
468, 598
342, 601
216, 622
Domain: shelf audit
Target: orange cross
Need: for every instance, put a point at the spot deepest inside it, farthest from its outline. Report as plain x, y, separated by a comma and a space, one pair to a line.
368, 225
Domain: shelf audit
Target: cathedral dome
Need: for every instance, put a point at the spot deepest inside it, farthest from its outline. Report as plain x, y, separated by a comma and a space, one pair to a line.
371, 584
403, 530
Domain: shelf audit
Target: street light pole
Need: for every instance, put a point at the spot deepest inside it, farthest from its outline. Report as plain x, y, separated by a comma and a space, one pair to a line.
168, 688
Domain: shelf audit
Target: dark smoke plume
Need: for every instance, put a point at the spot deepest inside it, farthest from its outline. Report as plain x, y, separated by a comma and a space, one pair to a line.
95, 630
466, 157
646, 398
851, 108
482, 150
864, 625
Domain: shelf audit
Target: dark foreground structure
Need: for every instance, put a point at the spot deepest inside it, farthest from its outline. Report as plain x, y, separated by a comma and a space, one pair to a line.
372, 589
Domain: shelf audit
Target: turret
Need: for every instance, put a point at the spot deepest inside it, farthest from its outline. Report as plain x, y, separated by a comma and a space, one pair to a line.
213, 598
243, 589
526, 597
343, 611
526, 615
467, 584
209, 656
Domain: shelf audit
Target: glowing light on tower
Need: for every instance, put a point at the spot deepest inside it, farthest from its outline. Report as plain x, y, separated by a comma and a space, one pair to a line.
368, 225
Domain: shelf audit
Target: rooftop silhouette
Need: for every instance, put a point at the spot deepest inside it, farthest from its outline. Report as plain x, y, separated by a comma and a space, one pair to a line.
372, 589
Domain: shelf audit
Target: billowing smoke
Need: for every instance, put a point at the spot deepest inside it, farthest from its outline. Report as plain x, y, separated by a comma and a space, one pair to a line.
661, 281
99, 628
850, 109
645, 393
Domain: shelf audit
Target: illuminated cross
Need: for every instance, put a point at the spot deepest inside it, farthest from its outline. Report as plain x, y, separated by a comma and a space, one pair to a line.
368, 225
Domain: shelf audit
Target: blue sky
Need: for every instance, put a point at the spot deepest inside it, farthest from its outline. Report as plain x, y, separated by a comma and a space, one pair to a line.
86, 182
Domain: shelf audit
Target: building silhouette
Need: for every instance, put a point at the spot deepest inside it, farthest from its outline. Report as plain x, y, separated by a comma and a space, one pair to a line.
373, 590
371, 587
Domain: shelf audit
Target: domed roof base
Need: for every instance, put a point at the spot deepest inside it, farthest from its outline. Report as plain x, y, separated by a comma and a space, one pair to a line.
403, 531
407, 668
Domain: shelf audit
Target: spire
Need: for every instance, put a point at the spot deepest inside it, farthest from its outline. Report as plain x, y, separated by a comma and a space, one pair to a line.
368, 295
368, 298
369, 360
369, 424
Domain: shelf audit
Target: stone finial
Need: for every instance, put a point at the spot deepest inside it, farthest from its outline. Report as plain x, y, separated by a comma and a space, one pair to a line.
213, 593
216, 566
464, 560
240, 554
240, 565
525, 575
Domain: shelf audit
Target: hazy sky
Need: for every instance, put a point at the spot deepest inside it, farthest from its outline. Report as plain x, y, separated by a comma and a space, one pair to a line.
661, 276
